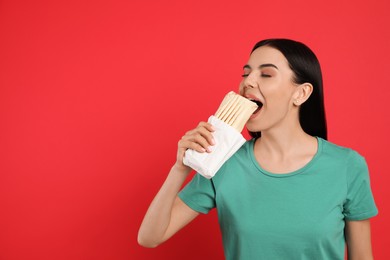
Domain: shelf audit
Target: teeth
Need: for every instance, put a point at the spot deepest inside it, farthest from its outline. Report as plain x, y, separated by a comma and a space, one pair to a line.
254, 100
258, 102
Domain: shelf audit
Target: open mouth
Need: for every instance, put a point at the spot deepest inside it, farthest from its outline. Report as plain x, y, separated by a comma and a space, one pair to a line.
259, 104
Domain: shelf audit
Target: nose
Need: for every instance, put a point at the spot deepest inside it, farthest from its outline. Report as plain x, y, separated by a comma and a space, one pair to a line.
246, 84
250, 81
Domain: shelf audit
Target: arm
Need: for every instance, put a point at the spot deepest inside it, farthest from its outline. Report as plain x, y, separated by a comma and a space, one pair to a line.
358, 238
167, 213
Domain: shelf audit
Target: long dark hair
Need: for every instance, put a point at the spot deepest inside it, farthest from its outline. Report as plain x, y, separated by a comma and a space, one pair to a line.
306, 68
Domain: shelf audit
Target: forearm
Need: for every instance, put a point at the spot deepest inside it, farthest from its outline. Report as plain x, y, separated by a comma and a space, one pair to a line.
359, 254
158, 216
367, 256
358, 238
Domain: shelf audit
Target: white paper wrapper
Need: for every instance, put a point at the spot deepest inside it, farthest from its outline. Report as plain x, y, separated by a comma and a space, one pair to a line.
227, 141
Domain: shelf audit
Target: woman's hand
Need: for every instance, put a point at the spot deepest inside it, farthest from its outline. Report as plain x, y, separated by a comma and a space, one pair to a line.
199, 139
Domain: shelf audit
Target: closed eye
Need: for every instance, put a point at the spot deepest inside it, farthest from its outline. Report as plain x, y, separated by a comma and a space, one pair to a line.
263, 75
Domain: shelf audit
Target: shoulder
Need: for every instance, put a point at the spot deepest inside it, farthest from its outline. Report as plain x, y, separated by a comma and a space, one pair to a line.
352, 161
343, 159
340, 152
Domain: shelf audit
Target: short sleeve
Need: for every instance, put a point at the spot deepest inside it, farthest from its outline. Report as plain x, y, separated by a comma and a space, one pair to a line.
199, 194
359, 203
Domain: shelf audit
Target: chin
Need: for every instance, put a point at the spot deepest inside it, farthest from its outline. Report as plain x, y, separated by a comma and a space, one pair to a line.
251, 127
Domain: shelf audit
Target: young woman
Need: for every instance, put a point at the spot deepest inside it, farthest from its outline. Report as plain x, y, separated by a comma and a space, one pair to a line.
285, 194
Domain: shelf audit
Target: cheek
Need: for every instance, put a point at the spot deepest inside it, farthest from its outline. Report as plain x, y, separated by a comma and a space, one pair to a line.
241, 88
279, 98
284, 91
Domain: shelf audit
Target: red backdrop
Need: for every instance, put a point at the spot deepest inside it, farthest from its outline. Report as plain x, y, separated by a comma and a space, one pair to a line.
94, 96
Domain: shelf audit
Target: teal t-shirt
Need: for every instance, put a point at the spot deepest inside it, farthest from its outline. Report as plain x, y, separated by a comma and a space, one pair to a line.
298, 215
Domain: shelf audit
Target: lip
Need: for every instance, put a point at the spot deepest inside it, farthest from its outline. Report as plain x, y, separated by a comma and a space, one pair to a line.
252, 97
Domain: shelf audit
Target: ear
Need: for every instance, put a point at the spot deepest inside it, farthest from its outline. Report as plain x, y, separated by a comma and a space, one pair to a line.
302, 93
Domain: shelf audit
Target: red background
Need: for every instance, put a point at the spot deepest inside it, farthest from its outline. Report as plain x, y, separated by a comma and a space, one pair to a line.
94, 96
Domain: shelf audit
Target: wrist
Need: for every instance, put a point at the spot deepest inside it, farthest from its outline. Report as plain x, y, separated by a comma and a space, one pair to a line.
181, 169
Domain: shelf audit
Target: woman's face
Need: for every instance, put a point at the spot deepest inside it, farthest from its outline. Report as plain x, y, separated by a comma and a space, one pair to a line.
267, 79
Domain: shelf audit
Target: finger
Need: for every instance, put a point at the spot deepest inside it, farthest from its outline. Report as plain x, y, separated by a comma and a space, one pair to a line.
207, 135
207, 125
188, 144
201, 136
206, 129
201, 140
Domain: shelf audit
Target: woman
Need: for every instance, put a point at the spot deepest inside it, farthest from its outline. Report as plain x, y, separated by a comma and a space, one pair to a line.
285, 194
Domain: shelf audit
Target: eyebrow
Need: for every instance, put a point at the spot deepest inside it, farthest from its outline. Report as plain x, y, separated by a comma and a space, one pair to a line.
246, 66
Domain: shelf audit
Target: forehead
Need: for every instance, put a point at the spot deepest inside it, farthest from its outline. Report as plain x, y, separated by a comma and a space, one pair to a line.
266, 54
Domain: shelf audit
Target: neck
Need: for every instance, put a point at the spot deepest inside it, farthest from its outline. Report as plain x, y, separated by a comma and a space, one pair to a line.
281, 142
285, 147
